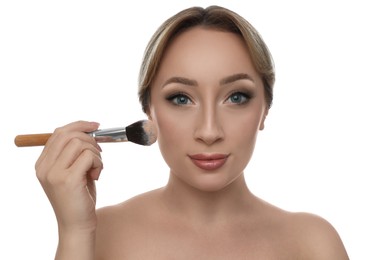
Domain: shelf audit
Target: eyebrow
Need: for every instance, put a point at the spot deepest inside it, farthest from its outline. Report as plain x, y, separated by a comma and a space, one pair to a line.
235, 77
224, 81
181, 80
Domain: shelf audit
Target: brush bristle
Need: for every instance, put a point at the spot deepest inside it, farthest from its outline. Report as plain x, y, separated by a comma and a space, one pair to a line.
142, 132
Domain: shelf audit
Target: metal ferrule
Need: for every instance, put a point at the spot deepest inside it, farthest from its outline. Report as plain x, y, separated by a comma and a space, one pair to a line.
110, 135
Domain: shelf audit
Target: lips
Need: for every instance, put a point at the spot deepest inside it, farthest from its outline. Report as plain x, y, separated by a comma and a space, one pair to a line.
209, 162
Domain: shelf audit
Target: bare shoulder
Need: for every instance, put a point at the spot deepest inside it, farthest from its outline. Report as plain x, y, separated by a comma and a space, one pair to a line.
135, 209
319, 238
119, 226
299, 235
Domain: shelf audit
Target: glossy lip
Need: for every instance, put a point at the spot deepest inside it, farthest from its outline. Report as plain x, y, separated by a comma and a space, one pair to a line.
209, 162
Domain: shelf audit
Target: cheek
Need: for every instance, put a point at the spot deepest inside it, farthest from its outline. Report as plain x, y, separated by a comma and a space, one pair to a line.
168, 130
241, 133
169, 125
172, 130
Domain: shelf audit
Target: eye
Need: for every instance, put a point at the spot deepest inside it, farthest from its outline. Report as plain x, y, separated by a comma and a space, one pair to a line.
179, 99
238, 98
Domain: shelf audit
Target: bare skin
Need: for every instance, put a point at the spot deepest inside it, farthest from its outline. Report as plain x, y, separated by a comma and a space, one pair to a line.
67, 169
207, 100
150, 226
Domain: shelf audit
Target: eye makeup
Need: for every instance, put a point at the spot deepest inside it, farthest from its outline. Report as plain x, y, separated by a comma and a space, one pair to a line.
179, 99
240, 96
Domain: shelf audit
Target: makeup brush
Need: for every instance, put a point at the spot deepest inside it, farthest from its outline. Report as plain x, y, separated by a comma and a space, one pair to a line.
141, 132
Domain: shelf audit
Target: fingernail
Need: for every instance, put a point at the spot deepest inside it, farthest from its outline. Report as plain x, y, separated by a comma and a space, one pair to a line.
96, 124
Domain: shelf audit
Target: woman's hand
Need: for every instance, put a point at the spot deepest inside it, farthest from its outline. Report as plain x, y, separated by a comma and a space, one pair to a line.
67, 169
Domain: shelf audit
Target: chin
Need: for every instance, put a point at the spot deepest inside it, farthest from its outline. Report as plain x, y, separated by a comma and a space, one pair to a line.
211, 183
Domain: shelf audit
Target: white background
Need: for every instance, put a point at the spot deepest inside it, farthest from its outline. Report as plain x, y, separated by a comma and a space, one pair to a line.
62, 61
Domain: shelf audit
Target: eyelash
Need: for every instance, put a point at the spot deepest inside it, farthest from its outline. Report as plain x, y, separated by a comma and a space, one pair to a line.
246, 96
174, 98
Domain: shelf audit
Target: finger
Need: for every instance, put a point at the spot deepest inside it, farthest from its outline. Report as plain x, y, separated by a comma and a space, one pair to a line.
62, 135
62, 158
87, 164
91, 187
79, 126
72, 150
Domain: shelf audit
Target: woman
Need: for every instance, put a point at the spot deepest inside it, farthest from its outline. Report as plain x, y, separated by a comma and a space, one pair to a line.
206, 83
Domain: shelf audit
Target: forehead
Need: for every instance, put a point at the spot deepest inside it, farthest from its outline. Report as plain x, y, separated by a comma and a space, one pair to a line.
201, 49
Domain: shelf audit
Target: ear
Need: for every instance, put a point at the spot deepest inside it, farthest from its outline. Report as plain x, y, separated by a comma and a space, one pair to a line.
148, 112
262, 125
149, 115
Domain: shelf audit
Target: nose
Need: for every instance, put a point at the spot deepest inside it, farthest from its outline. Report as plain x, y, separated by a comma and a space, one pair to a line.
209, 128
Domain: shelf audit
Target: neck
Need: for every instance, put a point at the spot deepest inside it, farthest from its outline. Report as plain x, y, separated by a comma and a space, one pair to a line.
225, 204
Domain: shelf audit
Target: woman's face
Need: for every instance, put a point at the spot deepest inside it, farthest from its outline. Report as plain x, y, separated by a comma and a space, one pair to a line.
207, 102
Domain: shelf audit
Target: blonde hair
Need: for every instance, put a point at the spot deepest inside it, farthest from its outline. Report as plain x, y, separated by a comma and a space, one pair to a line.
213, 17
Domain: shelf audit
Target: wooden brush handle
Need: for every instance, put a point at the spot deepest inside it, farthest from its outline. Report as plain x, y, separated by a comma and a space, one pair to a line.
31, 140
